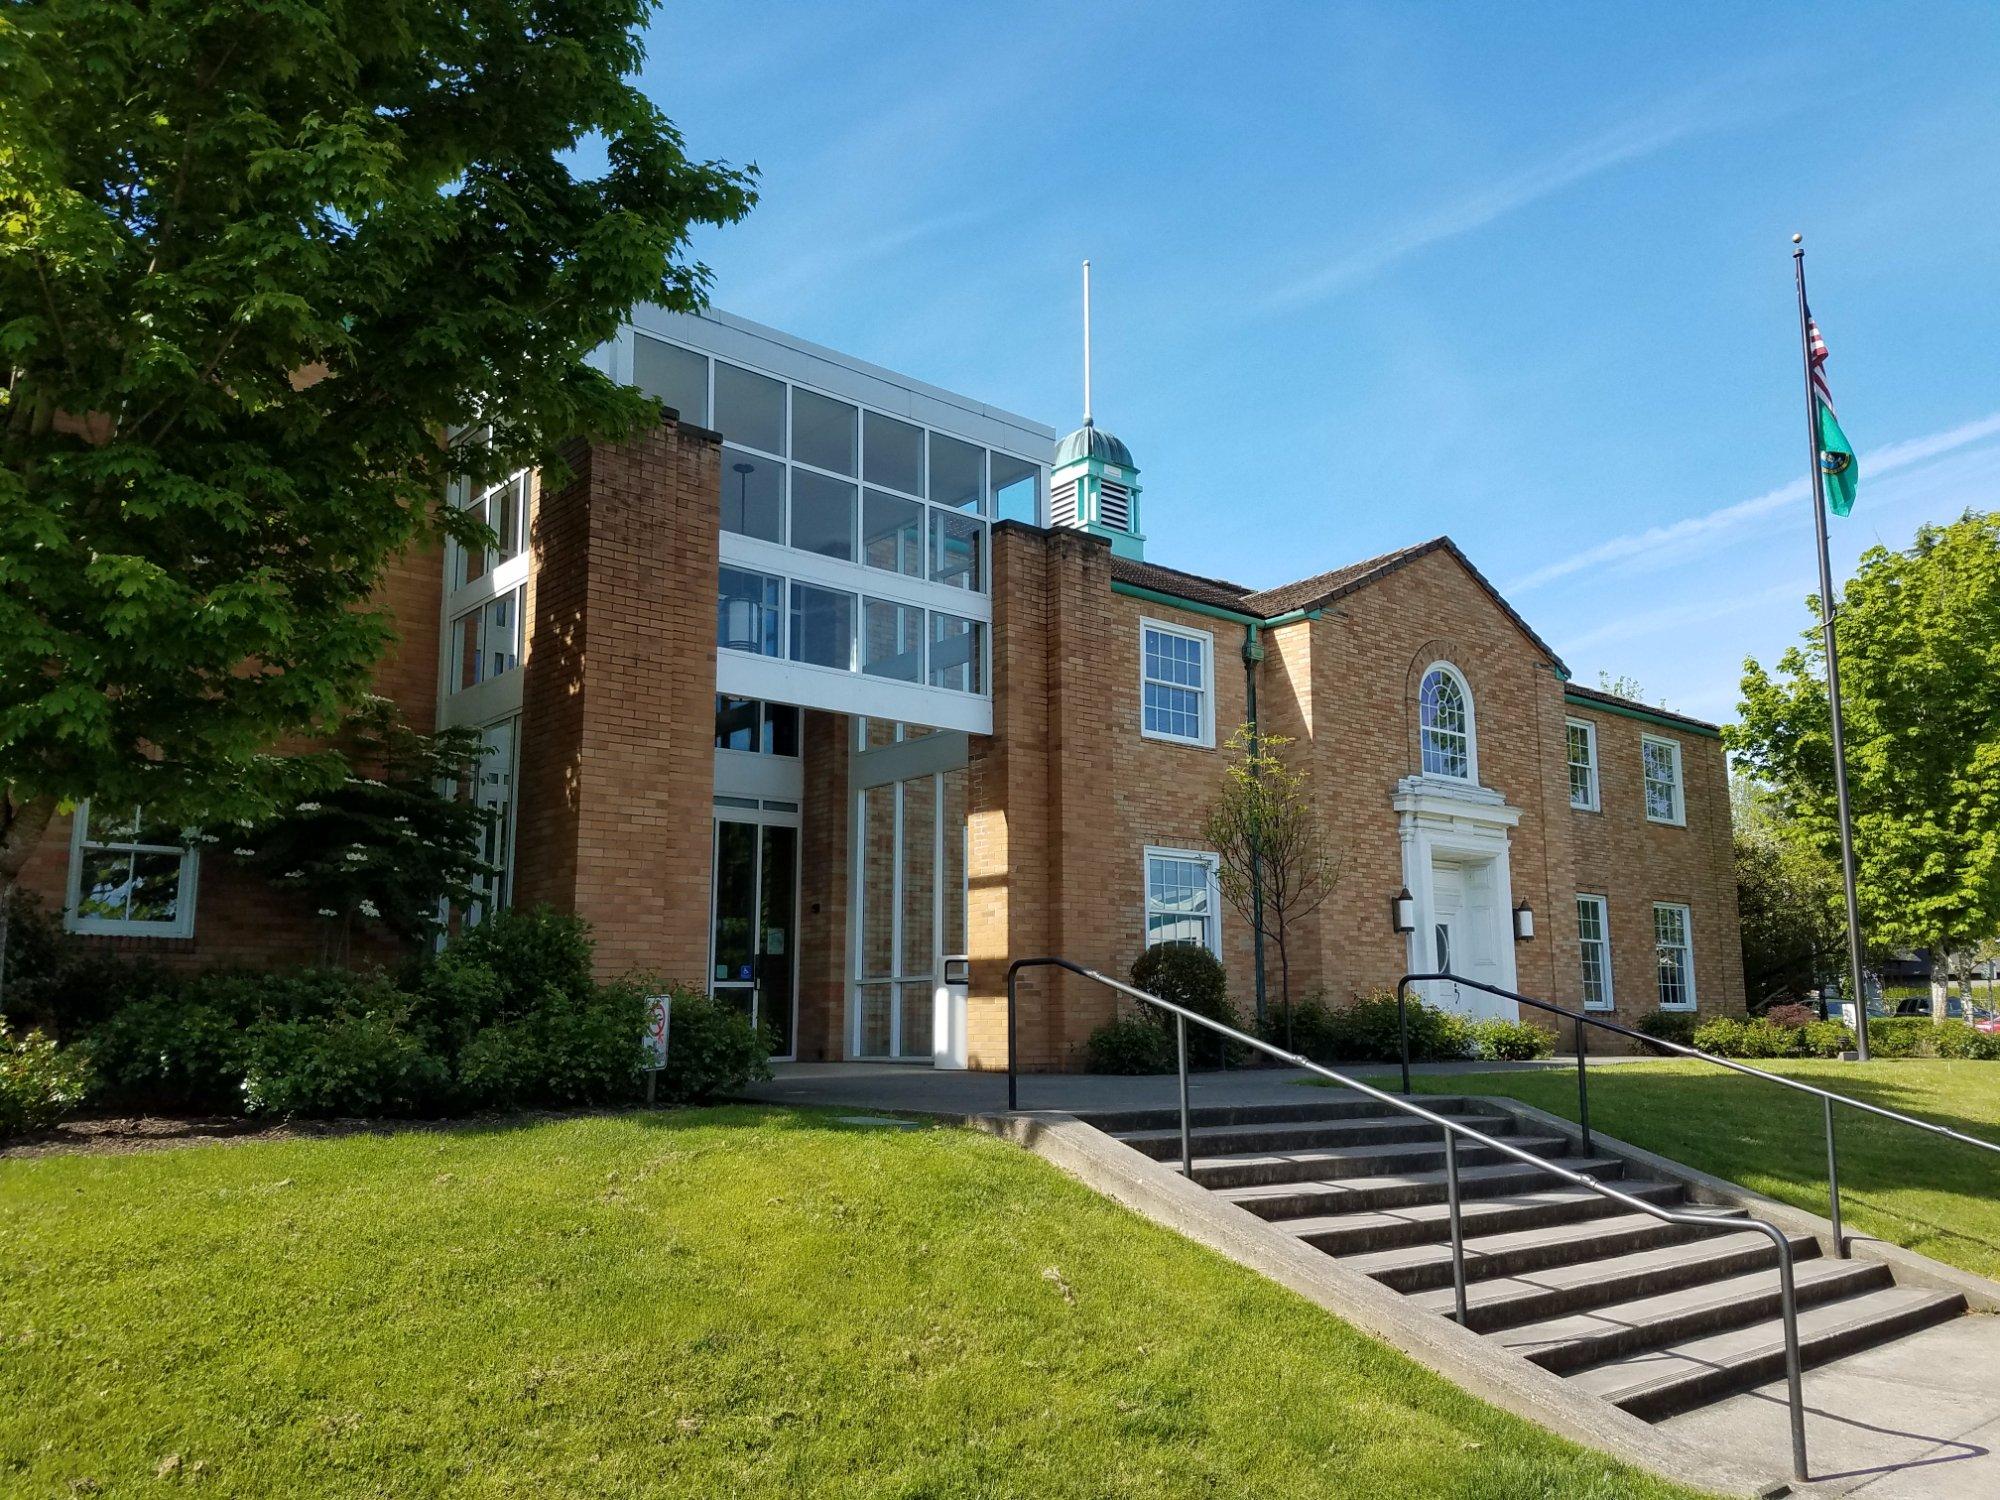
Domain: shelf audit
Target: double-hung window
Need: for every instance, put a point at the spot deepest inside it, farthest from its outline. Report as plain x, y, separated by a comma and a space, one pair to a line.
1182, 899
128, 878
1593, 935
1661, 760
1580, 737
1673, 939
1176, 700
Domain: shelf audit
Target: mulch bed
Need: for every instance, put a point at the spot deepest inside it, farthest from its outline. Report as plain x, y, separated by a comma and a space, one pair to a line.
119, 1135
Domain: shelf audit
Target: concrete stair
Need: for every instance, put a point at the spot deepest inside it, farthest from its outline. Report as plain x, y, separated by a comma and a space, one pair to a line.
1652, 1317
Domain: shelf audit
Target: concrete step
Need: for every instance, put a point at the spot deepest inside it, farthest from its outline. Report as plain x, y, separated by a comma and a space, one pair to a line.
1295, 1200
1416, 1268
1574, 1340
1658, 1383
1507, 1301
1429, 1223
1312, 1104
1298, 1135
1336, 1163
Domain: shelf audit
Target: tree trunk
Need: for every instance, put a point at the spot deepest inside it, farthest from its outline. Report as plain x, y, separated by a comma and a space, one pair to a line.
1940, 981
22, 824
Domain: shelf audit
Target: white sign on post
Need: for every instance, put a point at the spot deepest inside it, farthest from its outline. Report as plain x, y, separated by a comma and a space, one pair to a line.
658, 1019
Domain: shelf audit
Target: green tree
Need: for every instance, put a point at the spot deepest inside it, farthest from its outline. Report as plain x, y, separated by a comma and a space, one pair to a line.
1275, 862
398, 844
1919, 638
1787, 898
256, 262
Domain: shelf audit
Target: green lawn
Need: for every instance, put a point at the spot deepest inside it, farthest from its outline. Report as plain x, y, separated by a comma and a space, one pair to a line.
1934, 1196
735, 1301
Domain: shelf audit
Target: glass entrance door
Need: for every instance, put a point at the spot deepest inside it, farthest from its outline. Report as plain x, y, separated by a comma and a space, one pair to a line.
752, 950
910, 913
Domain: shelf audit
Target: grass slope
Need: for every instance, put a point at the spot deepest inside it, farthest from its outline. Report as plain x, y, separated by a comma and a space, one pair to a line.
1934, 1196
734, 1301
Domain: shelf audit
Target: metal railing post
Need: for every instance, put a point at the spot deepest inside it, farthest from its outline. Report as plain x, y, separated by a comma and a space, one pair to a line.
1833, 1186
1582, 1084
1457, 1225
1187, 1135
1403, 1028
1789, 1300
1013, 1041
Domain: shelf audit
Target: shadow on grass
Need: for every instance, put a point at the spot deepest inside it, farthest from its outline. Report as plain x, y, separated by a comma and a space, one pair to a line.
114, 1135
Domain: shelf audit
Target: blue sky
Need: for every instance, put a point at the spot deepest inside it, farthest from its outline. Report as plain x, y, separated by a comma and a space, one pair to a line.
1364, 274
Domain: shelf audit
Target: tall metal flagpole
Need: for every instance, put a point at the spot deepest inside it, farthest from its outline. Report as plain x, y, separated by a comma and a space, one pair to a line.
1826, 614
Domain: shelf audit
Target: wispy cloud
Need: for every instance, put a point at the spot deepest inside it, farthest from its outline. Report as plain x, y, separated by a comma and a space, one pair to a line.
1711, 108
1692, 533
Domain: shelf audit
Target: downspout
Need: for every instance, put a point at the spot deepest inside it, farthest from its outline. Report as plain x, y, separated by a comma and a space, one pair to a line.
1253, 653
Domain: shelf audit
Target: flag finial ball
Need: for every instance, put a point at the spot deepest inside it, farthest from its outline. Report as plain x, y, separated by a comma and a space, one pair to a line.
1798, 239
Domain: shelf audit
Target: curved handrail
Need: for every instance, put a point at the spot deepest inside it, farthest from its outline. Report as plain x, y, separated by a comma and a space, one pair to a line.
1587, 1019
1787, 1286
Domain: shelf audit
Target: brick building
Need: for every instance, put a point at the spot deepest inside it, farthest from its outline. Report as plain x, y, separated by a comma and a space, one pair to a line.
943, 712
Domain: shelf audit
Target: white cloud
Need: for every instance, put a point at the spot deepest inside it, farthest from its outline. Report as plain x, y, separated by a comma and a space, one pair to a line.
1676, 539
1695, 112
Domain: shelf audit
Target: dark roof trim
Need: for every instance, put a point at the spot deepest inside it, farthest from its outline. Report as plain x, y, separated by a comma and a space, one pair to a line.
1611, 703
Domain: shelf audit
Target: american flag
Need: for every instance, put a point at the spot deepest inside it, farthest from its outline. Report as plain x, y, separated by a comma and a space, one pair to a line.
1817, 346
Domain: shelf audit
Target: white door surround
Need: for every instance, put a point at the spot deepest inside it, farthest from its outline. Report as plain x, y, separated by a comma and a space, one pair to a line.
1455, 841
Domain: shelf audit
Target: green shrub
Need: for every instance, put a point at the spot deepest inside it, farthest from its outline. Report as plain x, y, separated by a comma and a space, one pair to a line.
711, 1047
1316, 1030
1129, 1044
40, 1082
1370, 1034
1959, 1040
529, 953
175, 1049
1191, 977
1906, 1036
1722, 1035
61, 985
568, 1051
346, 1064
1670, 1026
1824, 1039
1511, 1041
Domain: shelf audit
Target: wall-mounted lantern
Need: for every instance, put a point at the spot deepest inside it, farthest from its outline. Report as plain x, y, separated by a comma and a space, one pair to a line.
1524, 923
1403, 910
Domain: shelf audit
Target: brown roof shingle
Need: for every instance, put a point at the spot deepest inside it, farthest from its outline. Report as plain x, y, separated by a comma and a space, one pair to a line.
1145, 575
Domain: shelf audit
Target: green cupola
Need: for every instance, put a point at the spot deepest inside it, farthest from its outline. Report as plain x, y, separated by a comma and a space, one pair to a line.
1094, 485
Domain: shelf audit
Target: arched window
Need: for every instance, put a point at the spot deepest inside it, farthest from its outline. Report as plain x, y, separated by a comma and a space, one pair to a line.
1444, 718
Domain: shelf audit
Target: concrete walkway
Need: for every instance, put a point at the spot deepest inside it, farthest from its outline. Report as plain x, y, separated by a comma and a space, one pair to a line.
920, 1089
1919, 1417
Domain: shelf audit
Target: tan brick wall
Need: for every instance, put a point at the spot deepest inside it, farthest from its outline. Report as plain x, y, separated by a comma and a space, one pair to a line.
617, 770
1633, 862
240, 922
823, 888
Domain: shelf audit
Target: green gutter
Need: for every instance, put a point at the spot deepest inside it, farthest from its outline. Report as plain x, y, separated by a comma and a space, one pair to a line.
1213, 611
1664, 721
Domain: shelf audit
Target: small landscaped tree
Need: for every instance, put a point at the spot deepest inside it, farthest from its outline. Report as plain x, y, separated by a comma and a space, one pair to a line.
398, 844
1276, 863
257, 262
1919, 637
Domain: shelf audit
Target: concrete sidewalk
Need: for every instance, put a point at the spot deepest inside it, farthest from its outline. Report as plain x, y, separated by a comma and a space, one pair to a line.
919, 1088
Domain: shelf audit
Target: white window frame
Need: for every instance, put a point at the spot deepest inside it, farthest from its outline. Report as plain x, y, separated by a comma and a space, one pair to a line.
1672, 747
1206, 639
1211, 862
1594, 799
1687, 951
1603, 906
180, 927
1471, 777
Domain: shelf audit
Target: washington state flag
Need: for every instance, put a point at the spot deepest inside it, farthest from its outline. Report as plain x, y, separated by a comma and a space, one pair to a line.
1837, 467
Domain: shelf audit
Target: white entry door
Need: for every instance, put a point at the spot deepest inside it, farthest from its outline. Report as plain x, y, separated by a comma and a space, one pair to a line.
1467, 929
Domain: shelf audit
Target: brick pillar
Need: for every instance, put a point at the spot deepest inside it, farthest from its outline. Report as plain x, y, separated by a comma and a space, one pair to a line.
1040, 797
618, 702
823, 888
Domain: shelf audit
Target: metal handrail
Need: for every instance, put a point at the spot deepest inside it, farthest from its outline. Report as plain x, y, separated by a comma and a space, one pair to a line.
1787, 1286
1583, 1018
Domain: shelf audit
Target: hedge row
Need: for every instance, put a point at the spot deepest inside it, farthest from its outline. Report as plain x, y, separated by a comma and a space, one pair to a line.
508, 1017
